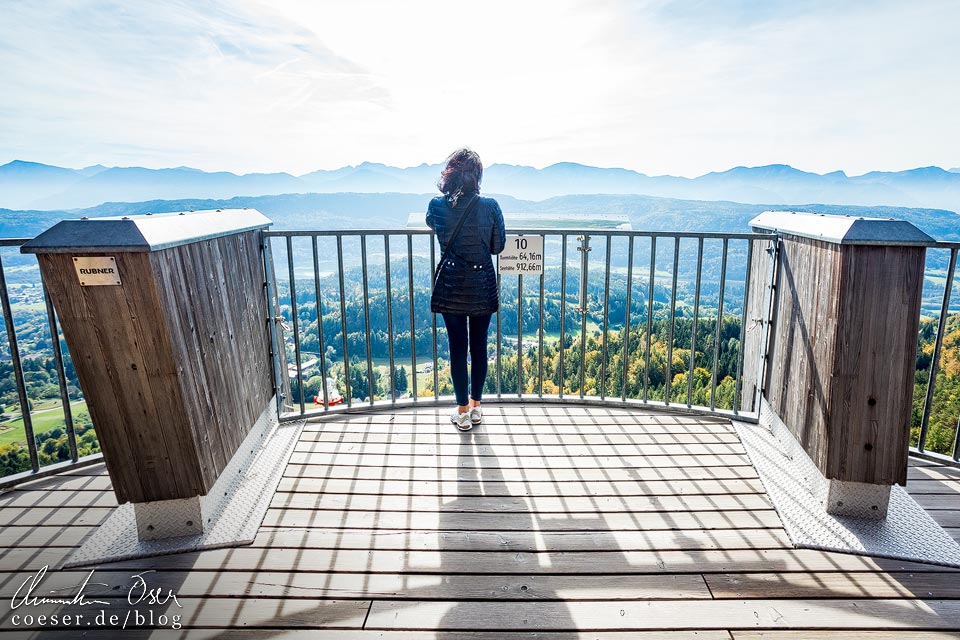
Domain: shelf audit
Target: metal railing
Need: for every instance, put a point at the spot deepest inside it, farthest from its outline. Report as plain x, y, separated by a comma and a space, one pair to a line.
938, 439
35, 467
614, 336
615, 329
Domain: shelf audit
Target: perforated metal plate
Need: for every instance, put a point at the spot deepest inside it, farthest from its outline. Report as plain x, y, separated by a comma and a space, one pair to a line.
907, 533
234, 508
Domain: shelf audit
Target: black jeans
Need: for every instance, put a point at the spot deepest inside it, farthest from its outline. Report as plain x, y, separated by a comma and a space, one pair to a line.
457, 334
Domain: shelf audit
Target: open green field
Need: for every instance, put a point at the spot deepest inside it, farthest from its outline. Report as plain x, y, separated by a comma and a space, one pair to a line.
46, 416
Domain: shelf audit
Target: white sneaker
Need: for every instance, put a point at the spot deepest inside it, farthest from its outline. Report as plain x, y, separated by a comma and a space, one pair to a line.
476, 416
462, 420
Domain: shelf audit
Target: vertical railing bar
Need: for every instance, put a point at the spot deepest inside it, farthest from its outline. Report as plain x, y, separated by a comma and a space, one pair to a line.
18, 371
563, 307
321, 343
606, 323
499, 340
650, 294
270, 292
716, 341
386, 253
433, 320
295, 319
413, 327
738, 384
625, 359
540, 342
668, 382
366, 316
584, 305
696, 319
520, 335
956, 432
343, 323
937, 346
61, 374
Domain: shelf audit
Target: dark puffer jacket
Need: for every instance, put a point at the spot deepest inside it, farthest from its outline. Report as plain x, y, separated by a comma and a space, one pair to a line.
468, 283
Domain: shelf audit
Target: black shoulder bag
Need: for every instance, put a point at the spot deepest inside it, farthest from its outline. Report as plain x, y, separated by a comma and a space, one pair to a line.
456, 231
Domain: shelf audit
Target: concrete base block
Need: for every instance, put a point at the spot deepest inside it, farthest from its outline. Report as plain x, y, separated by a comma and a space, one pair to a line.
168, 518
855, 499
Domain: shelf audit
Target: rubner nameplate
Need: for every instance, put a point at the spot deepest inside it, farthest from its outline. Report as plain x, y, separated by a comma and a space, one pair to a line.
96, 271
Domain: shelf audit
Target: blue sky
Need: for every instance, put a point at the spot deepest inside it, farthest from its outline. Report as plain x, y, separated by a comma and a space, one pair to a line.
660, 87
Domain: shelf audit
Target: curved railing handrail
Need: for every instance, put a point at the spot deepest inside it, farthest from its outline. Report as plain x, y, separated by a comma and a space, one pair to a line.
283, 240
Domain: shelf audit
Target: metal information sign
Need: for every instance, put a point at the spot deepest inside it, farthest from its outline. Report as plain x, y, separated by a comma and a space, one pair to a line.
522, 255
96, 271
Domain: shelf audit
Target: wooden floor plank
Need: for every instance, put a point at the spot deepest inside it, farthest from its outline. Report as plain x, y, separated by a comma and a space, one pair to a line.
513, 521
66, 482
538, 437
98, 469
477, 487
454, 461
532, 411
923, 487
218, 612
922, 462
574, 562
652, 615
926, 585
43, 536
266, 583
531, 504
932, 472
33, 558
444, 427
946, 518
61, 498
949, 502
481, 448
519, 474
521, 540
61, 516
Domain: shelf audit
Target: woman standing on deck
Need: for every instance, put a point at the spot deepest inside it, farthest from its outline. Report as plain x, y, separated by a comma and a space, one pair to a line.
470, 231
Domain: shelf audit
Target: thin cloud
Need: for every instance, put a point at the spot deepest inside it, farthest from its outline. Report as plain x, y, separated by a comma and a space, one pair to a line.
660, 87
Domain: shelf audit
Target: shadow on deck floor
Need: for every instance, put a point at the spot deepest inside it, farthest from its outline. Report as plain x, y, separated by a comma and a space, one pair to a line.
571, 522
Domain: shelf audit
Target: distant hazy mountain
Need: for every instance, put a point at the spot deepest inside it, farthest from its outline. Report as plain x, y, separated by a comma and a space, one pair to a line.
31, 185
391, 211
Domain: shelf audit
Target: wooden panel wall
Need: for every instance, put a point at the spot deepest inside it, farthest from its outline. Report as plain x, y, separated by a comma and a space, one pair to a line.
842, 354
875, 363
219, 340
802, 345
121, 351
174, 363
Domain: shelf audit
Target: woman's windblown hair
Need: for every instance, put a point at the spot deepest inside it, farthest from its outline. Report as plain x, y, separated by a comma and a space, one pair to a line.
462, 174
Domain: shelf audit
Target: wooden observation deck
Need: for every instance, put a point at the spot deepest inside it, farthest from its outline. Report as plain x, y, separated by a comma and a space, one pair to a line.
573, 522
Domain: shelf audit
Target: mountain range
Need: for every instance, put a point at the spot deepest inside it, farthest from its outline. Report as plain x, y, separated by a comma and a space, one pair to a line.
31, 185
